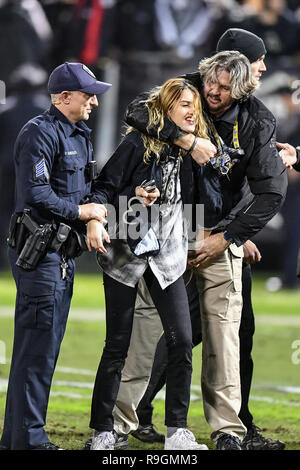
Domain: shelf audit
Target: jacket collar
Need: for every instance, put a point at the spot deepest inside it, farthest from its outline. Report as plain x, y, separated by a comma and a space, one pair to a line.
230, 115
67, 126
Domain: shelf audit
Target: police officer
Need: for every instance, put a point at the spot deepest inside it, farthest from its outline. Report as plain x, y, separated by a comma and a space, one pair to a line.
53, 156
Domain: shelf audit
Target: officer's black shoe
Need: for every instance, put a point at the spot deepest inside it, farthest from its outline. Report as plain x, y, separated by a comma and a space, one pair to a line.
121, 440
46, 446
228, 442
254, 440
147, 433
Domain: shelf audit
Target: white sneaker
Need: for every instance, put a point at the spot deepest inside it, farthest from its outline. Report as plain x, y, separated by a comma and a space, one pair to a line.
104, 440
183, 439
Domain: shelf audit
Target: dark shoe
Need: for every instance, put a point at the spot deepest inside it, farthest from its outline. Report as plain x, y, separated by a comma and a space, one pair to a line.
121, 440
87, 445
256, 441
228, 442
46, 446
147, 433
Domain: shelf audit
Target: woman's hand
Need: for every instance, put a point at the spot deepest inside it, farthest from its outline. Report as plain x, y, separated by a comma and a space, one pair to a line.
148, 198
96, 233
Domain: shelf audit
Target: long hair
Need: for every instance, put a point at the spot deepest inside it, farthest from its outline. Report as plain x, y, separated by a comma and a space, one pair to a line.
243, 83
160, 101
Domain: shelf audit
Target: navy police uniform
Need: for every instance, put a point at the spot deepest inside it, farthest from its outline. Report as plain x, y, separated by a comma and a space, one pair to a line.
51, 154
51, 158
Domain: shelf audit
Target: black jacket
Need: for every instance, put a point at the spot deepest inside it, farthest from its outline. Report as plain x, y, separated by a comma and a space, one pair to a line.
244, 211
126, 170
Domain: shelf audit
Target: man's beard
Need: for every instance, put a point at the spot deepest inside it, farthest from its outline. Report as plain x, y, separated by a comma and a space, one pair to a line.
218, 110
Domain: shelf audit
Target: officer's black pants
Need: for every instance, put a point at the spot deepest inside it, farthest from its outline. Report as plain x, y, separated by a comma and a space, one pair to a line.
42, 307
172, 305
246, 332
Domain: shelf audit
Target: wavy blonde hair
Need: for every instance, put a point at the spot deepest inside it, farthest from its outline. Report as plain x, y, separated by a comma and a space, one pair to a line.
159, 103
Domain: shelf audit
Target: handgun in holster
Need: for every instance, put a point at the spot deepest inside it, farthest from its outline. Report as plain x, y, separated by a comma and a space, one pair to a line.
36, 243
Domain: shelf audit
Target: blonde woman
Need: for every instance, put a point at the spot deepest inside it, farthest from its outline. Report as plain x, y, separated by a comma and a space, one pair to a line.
140, 158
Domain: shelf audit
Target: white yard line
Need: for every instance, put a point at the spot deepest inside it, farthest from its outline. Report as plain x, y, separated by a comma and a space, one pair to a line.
285, 320
195, 389
72, 370
80, 314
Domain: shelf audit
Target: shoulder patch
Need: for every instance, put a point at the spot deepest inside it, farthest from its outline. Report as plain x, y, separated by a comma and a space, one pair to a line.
40, 169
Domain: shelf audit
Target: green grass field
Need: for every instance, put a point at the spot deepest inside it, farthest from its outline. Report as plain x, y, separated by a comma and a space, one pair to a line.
275, 396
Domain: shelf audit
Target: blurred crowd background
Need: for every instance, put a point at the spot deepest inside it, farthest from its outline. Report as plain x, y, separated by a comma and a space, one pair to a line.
135, 45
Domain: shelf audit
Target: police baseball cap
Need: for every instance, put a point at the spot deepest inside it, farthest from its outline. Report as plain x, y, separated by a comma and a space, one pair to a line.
236, 39
73, 76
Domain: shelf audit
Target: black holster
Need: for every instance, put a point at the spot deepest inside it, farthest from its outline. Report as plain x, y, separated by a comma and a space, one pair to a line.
75, 244
32, 241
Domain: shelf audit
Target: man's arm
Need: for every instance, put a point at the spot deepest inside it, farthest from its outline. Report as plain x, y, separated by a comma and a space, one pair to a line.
268, 183
267, 180
137, 116
36, 152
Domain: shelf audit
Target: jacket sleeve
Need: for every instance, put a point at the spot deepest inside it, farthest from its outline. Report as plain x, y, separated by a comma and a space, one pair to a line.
267, 180
137, 116
35, 153
116, 176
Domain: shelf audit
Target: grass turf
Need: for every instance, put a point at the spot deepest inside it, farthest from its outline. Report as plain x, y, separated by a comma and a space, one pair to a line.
275, 409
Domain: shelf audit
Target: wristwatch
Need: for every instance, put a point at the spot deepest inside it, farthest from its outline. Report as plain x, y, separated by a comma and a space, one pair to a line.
79, 212
228, 237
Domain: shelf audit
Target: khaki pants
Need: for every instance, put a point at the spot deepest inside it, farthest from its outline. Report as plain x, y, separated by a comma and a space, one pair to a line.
146, 331
221, 305
220, 293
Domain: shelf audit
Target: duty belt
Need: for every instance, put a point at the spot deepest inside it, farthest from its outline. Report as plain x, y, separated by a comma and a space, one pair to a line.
32, 241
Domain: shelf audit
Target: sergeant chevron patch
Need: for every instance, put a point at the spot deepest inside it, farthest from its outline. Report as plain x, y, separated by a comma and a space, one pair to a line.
40, 169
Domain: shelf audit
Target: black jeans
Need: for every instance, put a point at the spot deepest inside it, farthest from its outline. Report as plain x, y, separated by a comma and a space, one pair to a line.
173, 308
246, 332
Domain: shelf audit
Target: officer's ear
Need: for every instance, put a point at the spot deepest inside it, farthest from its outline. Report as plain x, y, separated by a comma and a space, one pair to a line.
66, 97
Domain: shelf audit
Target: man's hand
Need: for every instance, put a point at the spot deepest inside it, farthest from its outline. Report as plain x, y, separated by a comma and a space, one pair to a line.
93, 211
204, 150
288, 154
148, 198
251, 253
211, 247
95, 235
